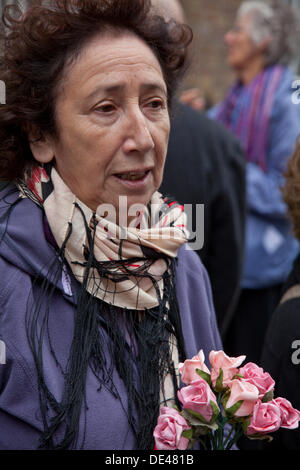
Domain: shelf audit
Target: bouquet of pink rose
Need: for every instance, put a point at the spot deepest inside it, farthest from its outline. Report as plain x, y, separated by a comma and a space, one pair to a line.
222, 404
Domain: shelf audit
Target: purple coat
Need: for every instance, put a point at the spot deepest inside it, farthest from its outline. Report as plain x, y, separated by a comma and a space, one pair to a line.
24, 252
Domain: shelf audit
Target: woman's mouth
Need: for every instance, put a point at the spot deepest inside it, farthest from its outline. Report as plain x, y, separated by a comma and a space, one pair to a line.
134, 179
132, 176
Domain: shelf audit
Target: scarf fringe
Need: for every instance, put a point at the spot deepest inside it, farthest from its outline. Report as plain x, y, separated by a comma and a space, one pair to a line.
106, 338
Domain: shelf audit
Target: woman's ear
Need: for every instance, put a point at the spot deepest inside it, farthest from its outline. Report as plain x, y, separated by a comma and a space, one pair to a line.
264, 44
41, 147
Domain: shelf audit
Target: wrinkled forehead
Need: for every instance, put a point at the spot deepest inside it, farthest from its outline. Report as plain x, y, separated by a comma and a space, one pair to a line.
108, 61
104, 53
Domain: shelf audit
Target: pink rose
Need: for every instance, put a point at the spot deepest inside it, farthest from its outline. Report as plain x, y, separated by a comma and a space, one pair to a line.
229, 365
290, 417
188, 368
245, 391
167, 433
266, 418
197, 397
255, 375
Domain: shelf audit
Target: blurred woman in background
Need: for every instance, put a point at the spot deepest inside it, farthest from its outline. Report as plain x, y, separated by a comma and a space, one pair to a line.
259, 110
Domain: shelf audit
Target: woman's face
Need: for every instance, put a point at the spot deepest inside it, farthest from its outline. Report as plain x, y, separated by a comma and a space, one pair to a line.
113, 123
240, 47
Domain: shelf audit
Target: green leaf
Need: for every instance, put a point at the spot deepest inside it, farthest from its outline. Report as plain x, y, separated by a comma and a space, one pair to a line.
233, 409
198, 416
188, 433
239, 419
203, 430
226, 395
219, 383
245, 424
216, 411
192, 420
197, 421
268, 396
204, 376
237, 376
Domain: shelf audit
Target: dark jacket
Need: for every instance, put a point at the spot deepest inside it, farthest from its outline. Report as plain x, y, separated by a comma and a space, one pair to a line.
205, 165
281, 358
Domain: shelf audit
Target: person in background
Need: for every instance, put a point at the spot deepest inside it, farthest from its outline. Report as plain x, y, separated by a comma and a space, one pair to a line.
206, 165
194, 99
281, 351
259, 110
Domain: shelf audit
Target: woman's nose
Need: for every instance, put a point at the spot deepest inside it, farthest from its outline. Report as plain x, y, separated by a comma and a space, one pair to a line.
229, 38
138, 136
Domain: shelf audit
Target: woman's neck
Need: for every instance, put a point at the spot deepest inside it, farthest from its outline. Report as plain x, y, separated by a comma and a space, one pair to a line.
251, 70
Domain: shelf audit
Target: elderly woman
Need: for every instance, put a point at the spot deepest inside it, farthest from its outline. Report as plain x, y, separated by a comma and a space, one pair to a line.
259, 110
97, 308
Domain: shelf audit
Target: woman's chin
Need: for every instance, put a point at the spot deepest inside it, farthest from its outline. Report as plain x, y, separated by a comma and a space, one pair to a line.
137, 191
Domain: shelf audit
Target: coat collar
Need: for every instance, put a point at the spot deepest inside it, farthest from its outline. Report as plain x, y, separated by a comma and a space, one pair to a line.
27, 242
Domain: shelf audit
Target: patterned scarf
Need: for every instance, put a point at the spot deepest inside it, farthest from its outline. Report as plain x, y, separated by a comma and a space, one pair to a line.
246, 111
126, 286
127, 289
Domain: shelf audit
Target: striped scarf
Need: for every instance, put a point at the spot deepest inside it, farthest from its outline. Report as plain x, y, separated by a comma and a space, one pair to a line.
246, 112
121, 251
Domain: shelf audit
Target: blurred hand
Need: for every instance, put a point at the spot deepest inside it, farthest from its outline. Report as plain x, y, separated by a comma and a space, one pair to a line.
193, 98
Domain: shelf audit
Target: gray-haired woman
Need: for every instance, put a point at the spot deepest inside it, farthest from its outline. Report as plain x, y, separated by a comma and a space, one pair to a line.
260, 111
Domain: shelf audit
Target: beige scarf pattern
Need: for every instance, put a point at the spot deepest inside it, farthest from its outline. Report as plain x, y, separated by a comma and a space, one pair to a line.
167, 234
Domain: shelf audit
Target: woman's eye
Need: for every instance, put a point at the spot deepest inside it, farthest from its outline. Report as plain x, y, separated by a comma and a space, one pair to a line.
156, 104
105, 108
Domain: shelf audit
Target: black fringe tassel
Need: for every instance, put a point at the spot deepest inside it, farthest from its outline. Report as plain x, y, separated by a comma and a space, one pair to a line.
135, 343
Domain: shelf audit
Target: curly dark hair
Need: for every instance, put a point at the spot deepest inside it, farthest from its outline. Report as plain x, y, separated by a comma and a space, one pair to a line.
37, 46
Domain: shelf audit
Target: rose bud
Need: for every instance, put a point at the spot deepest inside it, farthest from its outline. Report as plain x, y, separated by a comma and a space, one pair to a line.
244, 392
199, 398
168, 431
188, 368
290, 417
266, 418
229, 365
256, 376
